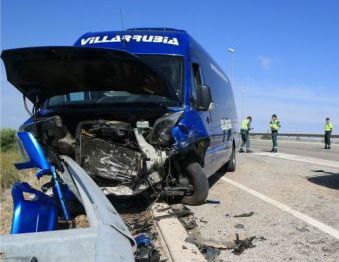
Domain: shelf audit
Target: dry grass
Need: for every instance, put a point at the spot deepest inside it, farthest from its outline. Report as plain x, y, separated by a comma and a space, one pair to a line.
8, 173
8, 176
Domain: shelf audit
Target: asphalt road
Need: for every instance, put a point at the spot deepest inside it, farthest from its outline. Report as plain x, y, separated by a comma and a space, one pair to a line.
295, 204
311, 149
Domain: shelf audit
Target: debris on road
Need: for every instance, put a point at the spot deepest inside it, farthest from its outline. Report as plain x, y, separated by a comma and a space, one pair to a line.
203, 220
210, 253
146, 252
210, 201
208, 248
211, 249
245, 214
239, 226
319, 171
180, 210
188, 222
140, 223
241, 245
185, 216
261, 238
303, 229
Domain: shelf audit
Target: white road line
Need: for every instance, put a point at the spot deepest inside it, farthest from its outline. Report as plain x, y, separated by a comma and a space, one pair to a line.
304, 159
317, 224
295, 142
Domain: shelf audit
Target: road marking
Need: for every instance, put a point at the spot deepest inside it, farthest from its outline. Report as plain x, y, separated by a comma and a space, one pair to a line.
304, 159
314, 143
309, 220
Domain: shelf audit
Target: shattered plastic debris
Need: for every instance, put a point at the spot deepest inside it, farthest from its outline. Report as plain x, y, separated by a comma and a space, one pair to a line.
241, 245
210, 201
211, 249
203, 220
180, 210
261, 238
188, 222
140, 223
143, 239
208, 248
239, 226
185, 216
211, 253
245, 214
145, 250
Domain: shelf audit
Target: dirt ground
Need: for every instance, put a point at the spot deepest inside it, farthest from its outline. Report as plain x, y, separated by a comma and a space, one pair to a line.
6, 202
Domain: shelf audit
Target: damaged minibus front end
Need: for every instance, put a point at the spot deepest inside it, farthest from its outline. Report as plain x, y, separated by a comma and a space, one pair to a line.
119, 119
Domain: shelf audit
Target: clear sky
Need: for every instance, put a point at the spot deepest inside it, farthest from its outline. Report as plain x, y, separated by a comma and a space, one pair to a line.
286, 60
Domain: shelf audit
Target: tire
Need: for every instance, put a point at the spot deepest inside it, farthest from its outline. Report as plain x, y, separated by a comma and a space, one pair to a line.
200, 185
231, 165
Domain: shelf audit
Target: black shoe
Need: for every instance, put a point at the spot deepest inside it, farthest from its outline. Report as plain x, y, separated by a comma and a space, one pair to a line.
329, 147
241, 150
249, 151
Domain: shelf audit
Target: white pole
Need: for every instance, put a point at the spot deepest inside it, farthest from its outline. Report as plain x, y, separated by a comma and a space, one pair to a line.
232, 51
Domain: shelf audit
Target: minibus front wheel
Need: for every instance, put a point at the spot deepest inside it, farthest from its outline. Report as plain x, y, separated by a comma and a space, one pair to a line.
200, 185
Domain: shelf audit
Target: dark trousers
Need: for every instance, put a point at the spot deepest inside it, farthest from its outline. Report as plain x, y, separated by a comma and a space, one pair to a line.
245, 139
275, 140
328, 138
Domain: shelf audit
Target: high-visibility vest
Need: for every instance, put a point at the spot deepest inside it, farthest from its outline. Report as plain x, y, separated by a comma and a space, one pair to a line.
245, 124
328, 126
275, 124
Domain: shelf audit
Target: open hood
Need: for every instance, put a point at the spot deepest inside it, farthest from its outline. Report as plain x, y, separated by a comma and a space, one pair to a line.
43, 72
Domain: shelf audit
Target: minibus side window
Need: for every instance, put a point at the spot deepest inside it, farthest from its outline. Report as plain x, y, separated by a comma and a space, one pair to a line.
196, 81
197, 74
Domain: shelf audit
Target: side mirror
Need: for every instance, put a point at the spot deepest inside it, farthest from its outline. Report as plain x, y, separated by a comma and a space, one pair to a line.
204, 97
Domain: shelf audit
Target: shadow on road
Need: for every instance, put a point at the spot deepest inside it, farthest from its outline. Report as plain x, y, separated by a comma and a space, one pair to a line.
329, 179
215, 178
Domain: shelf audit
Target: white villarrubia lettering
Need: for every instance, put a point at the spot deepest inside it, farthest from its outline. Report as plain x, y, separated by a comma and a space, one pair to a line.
173, 41
129, 38
157, 39
85, 41
149, 39
137, 38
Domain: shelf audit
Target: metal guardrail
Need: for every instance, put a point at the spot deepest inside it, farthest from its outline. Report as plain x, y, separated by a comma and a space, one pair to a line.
293, 135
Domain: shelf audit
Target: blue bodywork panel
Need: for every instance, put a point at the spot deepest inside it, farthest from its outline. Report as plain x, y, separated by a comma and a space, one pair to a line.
218, 125
194, 125
39, 211
35, 153
33, 215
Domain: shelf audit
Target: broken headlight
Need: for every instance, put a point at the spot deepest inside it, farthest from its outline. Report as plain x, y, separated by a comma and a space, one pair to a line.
161, 133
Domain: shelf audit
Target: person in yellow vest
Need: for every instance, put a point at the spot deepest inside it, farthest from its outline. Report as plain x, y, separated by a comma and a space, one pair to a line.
274, 125
328, 132
245, 137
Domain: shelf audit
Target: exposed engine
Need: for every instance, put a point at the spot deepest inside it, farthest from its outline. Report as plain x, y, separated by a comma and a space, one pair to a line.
123, 158
118, 156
